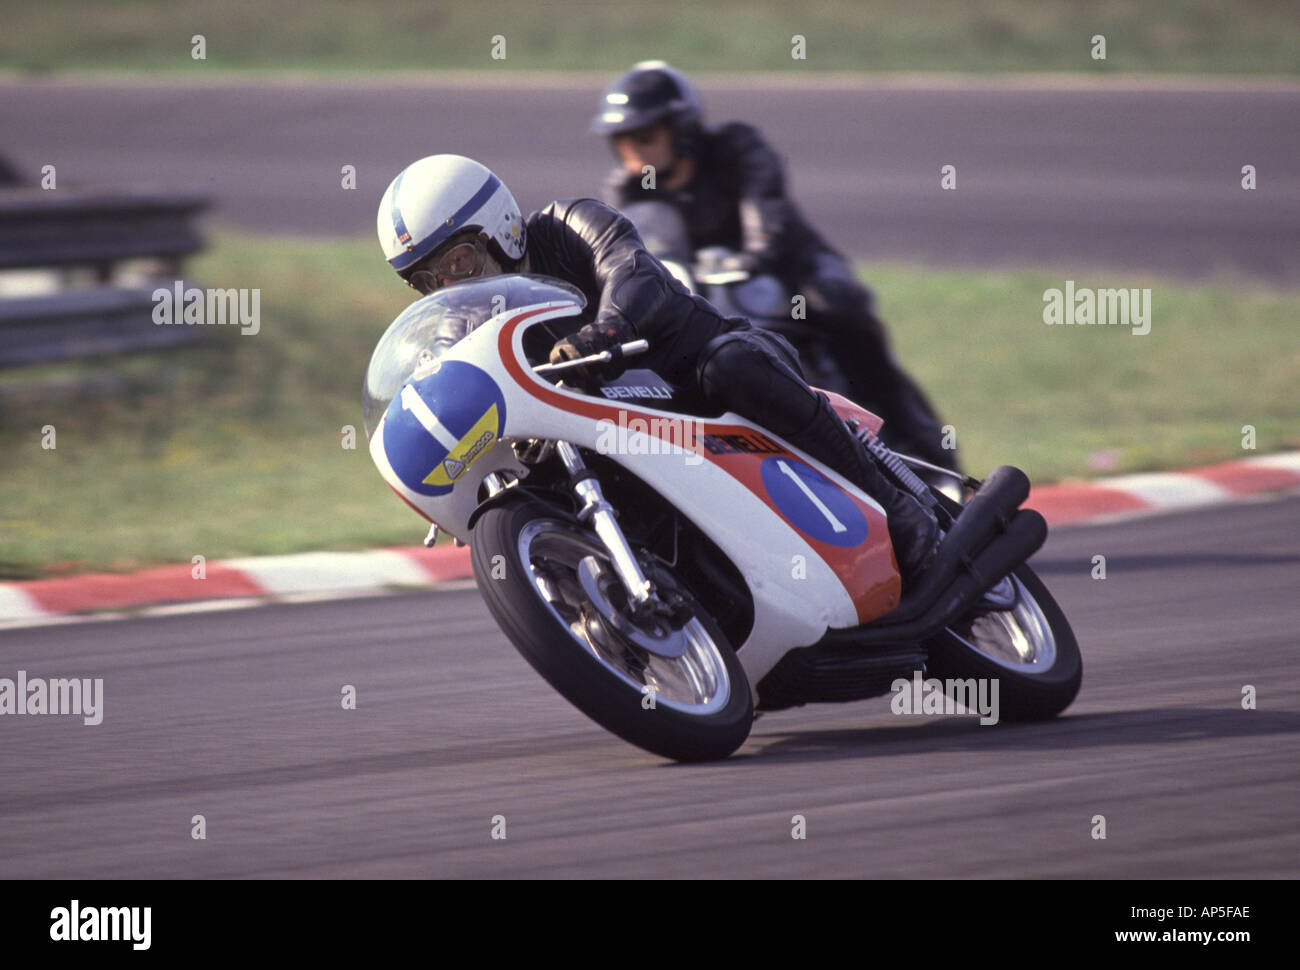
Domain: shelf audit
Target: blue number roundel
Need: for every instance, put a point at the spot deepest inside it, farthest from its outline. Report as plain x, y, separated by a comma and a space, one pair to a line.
813, 503
439, 425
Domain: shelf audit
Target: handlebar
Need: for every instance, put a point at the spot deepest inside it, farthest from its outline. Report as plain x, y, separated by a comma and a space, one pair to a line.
629, 349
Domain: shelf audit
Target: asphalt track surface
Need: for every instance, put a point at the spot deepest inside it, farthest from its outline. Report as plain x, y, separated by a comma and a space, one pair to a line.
236, 716
1080, 179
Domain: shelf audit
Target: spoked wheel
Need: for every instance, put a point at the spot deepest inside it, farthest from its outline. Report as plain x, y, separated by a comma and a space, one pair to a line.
1019, 636
665, 680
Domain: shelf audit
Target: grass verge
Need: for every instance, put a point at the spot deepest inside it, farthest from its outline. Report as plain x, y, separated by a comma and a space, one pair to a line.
1181, 36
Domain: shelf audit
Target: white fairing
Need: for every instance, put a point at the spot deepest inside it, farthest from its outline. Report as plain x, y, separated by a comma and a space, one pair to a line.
796, 593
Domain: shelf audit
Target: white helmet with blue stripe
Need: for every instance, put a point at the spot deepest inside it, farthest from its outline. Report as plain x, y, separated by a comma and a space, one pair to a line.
440, 196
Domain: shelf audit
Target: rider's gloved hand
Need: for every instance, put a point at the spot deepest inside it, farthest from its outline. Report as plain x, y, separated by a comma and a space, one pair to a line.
591, 339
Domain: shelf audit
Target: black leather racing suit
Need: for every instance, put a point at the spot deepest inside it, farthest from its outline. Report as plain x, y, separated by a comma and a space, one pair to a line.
722, 360
737, 198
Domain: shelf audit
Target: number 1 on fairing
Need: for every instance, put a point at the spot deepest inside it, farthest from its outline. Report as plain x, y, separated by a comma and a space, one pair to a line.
836, 524
411, 401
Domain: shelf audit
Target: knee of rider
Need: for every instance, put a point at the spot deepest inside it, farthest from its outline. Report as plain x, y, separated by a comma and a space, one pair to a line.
718, 363
746, 379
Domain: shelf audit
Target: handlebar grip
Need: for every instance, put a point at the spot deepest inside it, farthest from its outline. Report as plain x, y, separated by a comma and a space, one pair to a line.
629, 349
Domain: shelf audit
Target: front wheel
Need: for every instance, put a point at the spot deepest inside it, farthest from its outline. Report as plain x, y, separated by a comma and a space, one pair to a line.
549, 584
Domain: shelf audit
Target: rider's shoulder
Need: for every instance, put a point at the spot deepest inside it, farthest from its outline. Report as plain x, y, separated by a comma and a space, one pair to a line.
581, 205
737, 136
578, 214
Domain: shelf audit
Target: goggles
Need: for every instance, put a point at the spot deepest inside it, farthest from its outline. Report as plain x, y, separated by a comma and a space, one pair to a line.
462, 260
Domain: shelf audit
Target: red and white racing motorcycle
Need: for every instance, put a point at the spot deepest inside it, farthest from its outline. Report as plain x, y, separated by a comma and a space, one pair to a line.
671, 571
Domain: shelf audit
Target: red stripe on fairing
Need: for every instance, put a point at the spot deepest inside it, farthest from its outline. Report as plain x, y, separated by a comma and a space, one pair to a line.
867, 571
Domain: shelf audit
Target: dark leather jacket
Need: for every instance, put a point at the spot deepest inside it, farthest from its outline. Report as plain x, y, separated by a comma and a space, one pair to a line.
629, 293
736, 198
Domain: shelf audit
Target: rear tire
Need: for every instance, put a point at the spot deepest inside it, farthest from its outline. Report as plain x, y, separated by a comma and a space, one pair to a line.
1031, 688
1030, 650
525, 560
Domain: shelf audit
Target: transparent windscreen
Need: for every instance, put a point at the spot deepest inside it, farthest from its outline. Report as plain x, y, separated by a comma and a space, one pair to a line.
412, 337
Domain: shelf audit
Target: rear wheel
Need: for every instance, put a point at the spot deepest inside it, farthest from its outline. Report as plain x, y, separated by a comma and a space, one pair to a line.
550, 586
1027, 647
1018, 636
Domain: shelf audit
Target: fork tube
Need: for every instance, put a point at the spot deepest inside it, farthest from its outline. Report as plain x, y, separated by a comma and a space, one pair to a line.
601, 515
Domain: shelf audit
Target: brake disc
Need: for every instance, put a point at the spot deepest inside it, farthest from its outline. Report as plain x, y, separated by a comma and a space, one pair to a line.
663, 639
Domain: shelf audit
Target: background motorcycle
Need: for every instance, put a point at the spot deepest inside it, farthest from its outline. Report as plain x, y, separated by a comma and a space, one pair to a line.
742, 574
715, 273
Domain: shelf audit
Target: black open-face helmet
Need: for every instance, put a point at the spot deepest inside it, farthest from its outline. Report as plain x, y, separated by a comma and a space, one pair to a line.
651, 92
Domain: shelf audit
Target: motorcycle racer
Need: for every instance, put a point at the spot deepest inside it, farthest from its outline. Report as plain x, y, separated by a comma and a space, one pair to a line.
729, 187
447, 218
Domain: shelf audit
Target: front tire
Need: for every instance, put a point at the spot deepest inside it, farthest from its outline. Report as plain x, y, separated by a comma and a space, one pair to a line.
528, 564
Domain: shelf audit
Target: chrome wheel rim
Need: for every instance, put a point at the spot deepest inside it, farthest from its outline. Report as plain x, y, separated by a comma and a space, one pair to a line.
695, 683
1018, 638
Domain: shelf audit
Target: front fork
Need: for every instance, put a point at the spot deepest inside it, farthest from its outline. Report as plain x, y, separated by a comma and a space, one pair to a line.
600, 514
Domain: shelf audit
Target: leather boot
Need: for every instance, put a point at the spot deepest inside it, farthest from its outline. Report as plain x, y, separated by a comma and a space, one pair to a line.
913, 529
